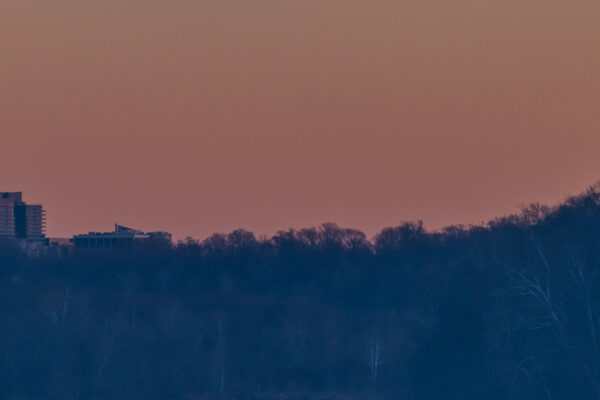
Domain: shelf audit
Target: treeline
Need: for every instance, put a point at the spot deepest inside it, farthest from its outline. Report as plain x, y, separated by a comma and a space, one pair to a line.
509, 310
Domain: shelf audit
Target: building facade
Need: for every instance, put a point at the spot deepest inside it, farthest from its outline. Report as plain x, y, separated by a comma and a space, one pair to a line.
121, 237
7, 218
19, 220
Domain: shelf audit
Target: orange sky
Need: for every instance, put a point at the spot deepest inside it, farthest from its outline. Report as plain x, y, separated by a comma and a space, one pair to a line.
201, 116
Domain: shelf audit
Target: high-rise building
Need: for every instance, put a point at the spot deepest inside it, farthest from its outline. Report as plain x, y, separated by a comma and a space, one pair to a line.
20, 220
31, 221
14, 196
7, 218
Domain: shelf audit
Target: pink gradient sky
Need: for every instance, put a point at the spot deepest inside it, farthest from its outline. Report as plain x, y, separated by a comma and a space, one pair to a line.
201, 116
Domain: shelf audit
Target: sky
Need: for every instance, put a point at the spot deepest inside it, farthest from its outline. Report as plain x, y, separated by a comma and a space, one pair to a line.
203, 116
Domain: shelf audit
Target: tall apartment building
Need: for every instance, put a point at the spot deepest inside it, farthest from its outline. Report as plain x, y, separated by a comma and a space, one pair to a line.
19, 220
7, 218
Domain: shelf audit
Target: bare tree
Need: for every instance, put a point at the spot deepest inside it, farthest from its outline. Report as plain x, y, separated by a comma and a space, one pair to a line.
374, 357
584, 276
221, 355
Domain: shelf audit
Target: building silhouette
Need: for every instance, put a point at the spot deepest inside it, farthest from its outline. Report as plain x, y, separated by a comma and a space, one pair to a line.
26, 223
19, 220
121, 237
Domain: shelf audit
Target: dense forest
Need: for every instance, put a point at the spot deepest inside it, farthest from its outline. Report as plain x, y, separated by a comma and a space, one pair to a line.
505, 310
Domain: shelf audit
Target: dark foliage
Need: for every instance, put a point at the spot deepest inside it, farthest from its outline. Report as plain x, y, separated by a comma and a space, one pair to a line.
509, 310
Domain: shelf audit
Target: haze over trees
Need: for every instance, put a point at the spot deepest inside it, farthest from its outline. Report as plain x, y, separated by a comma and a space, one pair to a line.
509, 310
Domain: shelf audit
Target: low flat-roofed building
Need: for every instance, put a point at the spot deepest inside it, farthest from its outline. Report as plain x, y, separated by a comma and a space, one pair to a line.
121, 237
55, 241
60, 246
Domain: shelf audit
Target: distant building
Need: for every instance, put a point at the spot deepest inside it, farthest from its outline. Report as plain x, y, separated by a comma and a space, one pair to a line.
14, 196
30, 221
7, 218
19, 220
61, 246
121, 237
59, 242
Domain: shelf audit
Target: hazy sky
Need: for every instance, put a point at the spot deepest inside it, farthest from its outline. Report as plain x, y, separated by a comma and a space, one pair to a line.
201, 116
